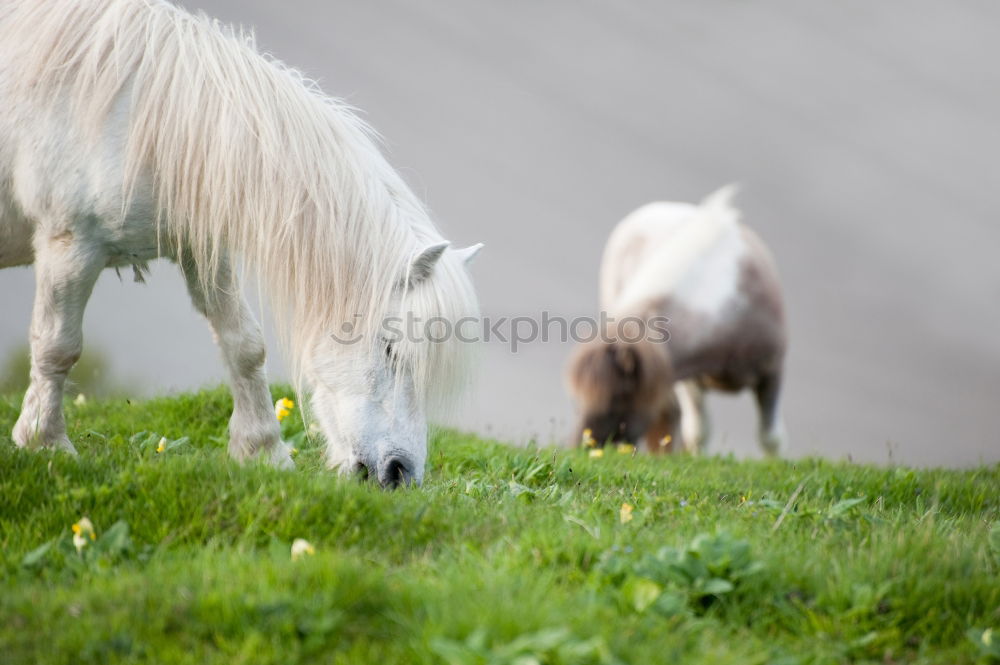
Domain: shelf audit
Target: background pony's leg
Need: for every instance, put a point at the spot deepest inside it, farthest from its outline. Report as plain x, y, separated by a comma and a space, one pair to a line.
253, 428
694, 416
661, 439
772, 428
66, 269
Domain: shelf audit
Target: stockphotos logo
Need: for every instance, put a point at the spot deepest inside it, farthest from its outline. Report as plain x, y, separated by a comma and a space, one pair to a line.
514, 331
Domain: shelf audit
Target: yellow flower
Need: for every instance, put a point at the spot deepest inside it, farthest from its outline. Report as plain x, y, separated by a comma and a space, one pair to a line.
293, 452
162, 445
597, 452
588, 438
300, 548
625, 514
80, 400
665, 441
81, 531
84, 526
283, 407
625, 449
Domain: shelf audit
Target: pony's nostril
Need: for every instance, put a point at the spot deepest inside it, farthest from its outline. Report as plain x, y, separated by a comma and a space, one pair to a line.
361, 471
396, 472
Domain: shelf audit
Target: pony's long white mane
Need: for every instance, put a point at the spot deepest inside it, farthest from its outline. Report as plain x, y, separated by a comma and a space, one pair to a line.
245, 156
686, 236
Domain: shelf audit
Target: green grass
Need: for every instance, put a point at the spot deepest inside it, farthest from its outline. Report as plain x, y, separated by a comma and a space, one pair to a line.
506, 555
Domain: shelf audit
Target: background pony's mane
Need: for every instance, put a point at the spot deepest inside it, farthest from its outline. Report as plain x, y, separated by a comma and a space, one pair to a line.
245, 155
694, 233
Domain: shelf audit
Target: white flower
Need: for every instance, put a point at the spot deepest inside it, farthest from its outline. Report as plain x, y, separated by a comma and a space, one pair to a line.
83, 530
80, 400
300, 548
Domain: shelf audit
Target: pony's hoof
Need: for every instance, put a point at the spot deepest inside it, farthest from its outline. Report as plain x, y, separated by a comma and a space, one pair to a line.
280, 456
773, 445
39, 442
64, 445
775, 440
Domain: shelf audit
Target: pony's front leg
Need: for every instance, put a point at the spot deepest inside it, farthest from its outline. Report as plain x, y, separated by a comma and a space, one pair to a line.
694, 416
253, 428
662, 436
66, 268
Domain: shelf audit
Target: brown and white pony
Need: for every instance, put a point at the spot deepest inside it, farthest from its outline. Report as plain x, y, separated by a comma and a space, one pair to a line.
714, 284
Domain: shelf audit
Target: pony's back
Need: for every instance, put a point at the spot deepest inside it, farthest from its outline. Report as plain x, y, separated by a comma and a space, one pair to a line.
670, 249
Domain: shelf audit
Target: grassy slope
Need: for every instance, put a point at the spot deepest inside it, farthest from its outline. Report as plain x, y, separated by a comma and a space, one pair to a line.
504, 553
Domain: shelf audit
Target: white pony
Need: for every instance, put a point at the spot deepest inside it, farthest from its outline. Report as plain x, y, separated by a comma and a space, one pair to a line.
712, 285
131, 130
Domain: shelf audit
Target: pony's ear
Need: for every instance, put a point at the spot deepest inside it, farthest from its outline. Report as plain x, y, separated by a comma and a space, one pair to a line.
423, 264
469, 253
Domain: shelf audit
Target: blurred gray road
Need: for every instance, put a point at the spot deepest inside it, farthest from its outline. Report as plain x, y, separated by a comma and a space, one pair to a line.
866, 137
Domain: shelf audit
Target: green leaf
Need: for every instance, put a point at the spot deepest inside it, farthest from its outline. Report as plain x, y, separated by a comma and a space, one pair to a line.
671, 603
526, 660
35, 556
640, 593
177, 443
995, 540
116, 539
987, 641
539, 642
279, 550
138, 438
717, 586
517, 489
843, 506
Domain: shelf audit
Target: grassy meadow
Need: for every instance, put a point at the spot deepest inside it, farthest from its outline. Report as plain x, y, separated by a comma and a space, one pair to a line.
507, 555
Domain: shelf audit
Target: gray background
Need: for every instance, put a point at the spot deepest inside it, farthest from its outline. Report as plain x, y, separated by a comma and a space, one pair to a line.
866, 136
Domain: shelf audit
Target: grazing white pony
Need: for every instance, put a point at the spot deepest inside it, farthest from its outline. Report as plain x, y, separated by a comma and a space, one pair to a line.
131, 130
714, 282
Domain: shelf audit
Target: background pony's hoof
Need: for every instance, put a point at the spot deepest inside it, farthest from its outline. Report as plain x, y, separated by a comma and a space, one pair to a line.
773, 443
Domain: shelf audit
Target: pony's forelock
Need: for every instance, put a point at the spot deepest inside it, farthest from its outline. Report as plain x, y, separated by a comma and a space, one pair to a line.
602, 372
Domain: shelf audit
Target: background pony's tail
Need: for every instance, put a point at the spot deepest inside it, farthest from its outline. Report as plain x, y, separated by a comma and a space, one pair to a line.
718, 206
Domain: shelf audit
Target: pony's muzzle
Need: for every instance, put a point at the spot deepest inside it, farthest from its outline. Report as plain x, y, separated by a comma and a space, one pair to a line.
395, 471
